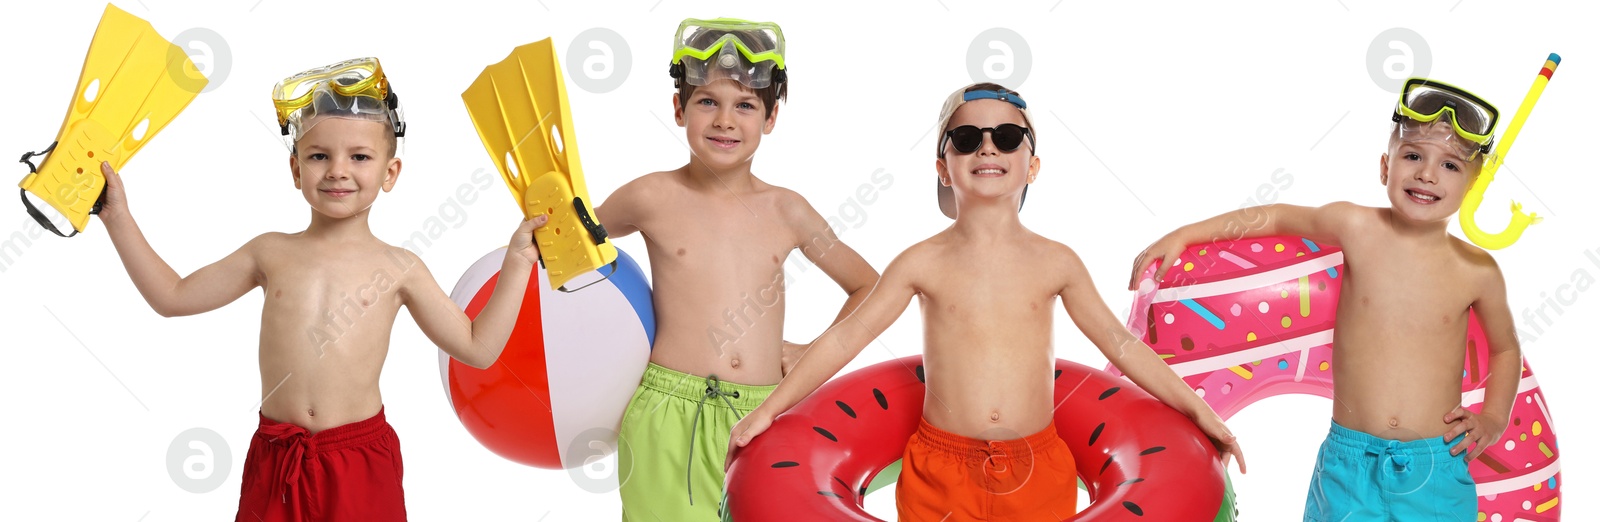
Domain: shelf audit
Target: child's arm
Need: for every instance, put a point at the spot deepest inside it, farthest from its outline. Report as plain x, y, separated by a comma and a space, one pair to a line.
835, 347
1324, 224
1505, 372
846, 267
1136, 359
205, 290
620, 212
477, 343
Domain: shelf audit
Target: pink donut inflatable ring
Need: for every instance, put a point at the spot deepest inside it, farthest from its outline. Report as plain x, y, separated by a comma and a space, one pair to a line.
1244, 320
1138, 458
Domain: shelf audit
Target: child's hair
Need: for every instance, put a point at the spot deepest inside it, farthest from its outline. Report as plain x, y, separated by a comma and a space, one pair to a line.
388, 138
769, 95
1466, 118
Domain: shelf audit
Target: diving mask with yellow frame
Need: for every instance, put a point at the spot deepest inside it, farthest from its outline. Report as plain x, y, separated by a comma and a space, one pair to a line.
355, 89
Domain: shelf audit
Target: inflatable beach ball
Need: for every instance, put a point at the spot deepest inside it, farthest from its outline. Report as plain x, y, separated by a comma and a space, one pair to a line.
555, 397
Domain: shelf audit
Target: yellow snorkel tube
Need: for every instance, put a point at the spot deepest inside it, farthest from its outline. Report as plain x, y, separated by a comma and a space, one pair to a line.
1519, 219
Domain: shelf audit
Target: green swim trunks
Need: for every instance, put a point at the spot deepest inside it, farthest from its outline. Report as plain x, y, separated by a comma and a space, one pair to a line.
676, 432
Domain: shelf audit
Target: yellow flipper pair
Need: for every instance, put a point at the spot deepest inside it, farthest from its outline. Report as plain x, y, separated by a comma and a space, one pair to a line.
519, 107
134, 82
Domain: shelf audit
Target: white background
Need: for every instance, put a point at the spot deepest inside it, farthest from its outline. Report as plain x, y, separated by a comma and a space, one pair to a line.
1148, 117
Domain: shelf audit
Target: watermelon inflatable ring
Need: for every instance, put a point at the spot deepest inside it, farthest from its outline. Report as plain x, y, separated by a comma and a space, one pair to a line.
1138, 458
1244, 320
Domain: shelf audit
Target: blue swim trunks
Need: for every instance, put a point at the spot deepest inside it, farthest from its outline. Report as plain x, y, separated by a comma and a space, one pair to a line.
1362, 478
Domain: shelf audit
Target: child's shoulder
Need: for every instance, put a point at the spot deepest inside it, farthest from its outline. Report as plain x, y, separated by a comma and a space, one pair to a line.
270, 242
1348, 213
924, 253
785, 200
1052, 253
1477, 260
652, 181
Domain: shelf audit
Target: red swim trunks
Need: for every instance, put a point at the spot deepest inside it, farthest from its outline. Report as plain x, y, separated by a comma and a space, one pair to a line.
350, 472
950, 478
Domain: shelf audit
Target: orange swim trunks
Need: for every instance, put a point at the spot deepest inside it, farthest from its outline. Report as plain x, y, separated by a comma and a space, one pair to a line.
951, 478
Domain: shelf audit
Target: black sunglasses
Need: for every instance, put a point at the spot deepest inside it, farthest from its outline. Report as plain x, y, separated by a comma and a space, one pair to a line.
1006, 137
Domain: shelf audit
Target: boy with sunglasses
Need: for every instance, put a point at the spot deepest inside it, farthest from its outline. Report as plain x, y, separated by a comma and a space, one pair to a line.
717, 237
986, 448
1398, 424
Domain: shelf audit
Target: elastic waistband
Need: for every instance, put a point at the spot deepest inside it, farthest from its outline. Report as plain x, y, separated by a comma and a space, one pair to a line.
354, 434
687, 386
1352, 442
970, 448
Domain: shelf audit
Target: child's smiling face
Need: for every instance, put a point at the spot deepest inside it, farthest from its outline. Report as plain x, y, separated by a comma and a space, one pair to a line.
1428, 178
988, 172
724, 123
341, 164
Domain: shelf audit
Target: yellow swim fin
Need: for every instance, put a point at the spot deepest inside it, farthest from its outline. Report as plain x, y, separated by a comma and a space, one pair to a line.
133, 83
519, 107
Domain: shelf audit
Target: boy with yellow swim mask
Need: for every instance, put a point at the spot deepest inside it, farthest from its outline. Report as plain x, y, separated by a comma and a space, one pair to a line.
986, 447
1400, 440
323, 450
718, 237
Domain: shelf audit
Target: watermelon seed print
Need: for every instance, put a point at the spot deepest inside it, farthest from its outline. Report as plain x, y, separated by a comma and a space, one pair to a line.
773, 478
846, 408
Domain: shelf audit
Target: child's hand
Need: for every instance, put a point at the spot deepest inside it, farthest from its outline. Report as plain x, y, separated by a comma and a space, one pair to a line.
1223, 438
1481, 430
745, 431
116, 200
1164, 250
522, 242
791, 355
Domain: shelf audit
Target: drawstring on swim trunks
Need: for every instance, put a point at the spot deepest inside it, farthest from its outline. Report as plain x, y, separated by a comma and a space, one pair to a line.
713, 390
1401, 462
301, 446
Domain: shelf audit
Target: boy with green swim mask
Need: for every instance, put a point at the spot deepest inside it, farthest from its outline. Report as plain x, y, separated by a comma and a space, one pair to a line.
717, 238
1400, 440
